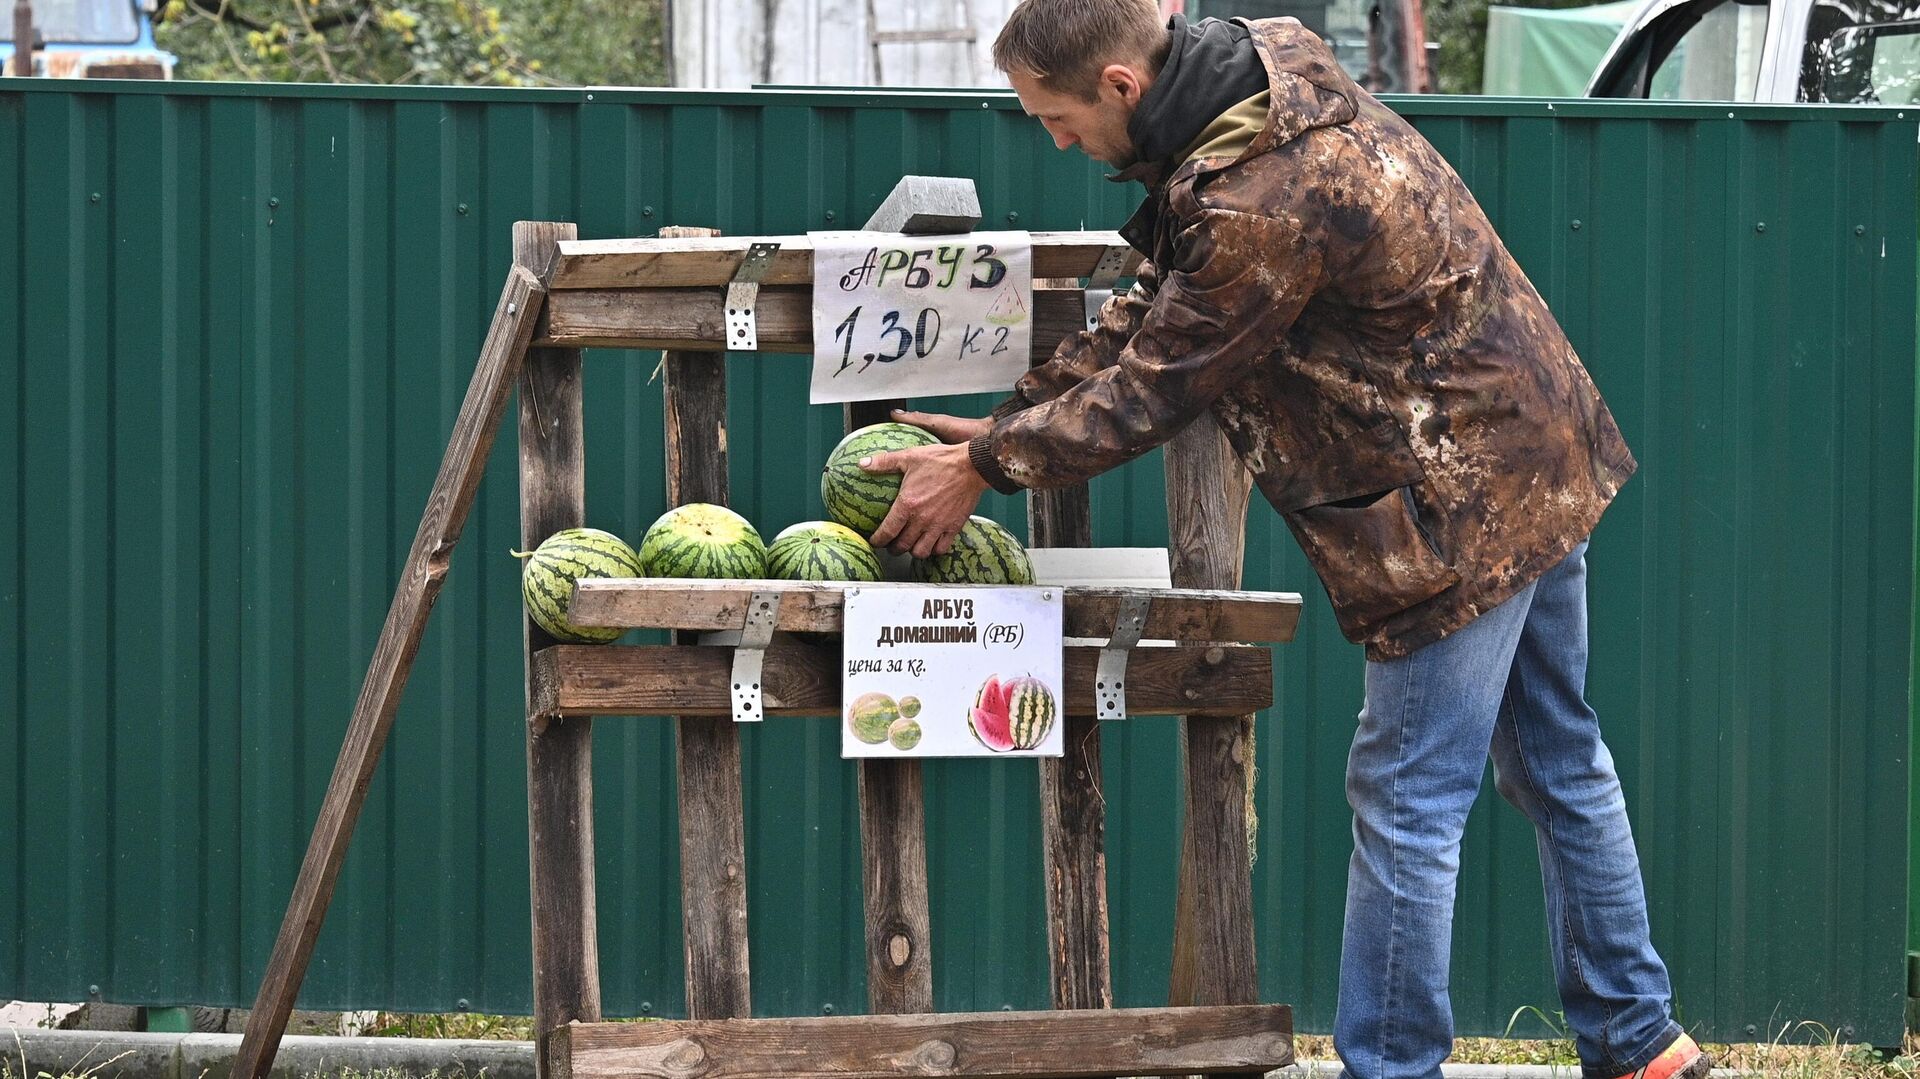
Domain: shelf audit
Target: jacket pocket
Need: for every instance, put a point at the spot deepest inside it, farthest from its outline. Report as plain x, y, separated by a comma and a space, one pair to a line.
1351, 507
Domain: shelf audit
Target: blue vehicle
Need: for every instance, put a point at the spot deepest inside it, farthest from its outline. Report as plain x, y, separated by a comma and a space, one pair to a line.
91, 39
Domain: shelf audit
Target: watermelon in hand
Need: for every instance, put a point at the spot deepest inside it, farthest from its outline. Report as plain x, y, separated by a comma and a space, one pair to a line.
703, 540
855, 497
547, 579
982, 553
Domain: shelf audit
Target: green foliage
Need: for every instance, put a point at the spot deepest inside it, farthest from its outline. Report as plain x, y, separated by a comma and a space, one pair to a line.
442, 42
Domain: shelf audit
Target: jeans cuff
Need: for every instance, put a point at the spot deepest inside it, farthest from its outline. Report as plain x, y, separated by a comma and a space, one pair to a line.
1634, 1062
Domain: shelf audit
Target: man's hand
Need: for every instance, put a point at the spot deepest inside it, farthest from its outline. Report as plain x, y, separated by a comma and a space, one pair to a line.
948, 429
939, 488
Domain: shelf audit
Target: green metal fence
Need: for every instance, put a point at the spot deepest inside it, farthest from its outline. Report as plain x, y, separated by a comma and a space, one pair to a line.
243, 316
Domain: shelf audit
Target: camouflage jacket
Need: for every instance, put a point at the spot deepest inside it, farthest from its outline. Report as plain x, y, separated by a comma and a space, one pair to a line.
1326, 286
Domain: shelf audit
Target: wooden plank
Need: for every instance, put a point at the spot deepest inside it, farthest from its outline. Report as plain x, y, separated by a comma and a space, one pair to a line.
817, 607
1073, 816
421, 578
713, 834
694, 319
893, 850
989, 1045
1213, 946
893, 861
566, 949
804, 680
896, 915
691, 262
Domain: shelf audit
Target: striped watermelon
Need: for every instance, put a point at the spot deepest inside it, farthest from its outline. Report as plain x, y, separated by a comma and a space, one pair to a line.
546, 579
822, 551
1015, 714
702, 540
983, 553
855, 497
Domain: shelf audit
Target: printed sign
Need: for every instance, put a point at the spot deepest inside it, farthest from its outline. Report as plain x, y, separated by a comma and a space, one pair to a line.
951, 672
919, 316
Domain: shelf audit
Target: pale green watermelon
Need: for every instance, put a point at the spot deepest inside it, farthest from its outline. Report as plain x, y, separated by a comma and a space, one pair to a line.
871, 716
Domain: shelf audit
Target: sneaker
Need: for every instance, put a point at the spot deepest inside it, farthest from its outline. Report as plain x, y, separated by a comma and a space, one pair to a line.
1680, 1060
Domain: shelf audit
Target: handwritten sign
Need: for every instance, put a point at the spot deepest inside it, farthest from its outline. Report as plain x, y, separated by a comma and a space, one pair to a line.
915, 316
952, 672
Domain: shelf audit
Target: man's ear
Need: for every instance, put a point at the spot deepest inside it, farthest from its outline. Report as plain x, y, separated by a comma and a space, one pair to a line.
1124, 82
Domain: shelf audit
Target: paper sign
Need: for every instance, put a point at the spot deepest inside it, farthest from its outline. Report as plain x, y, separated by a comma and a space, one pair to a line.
919, 316
951, 672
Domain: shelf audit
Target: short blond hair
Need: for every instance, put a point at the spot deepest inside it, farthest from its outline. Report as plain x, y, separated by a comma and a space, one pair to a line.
1066, 43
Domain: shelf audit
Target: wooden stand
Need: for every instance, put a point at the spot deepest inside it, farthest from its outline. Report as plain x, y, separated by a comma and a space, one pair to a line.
564, 294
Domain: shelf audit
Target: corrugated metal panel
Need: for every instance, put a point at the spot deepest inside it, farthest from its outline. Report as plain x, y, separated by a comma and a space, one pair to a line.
239, 362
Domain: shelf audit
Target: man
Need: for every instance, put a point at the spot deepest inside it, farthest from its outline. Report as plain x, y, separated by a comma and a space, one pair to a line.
1322, 283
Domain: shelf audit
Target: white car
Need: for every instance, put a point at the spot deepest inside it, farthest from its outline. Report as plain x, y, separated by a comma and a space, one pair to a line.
1851, 51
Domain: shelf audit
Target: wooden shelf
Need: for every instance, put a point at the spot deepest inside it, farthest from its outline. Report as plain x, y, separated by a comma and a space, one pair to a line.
1251, 1038
693, 262
1174, 614
694, 319
802, 679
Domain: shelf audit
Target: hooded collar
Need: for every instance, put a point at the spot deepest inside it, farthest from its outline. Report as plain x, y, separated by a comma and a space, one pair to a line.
1210, 66
1307, 89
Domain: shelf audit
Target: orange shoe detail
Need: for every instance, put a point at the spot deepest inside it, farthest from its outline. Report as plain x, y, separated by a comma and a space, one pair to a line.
1681, 1060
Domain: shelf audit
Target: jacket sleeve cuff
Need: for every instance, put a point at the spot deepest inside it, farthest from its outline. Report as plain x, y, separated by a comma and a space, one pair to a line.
980, 453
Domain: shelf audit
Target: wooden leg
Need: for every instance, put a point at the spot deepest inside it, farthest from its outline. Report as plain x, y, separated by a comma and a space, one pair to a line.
1213, 944
713, 844
421, 578
566, 957
1073, 817
893, 854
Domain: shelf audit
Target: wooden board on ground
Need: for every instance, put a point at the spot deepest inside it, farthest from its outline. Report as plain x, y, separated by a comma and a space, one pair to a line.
988, 1045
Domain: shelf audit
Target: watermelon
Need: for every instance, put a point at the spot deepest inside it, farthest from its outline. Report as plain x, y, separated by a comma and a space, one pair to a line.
871, 716
904, 734
909, 706
983, 553
1015, 714
703, 540
855, 497
549, 571
822, 551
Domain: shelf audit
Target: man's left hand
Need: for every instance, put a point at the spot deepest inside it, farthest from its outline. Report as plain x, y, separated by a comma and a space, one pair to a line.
939, 488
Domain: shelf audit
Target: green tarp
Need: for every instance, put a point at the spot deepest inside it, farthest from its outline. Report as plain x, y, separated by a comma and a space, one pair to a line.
1534, 52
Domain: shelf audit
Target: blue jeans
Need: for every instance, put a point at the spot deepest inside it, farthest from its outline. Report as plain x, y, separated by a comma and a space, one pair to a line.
1510, 683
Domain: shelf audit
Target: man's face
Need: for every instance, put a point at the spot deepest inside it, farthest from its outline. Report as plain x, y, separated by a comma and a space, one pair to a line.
1098, 127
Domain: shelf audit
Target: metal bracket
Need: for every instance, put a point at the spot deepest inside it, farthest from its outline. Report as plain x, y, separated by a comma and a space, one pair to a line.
1106, 273
749, 656
743, 333
1110, 676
